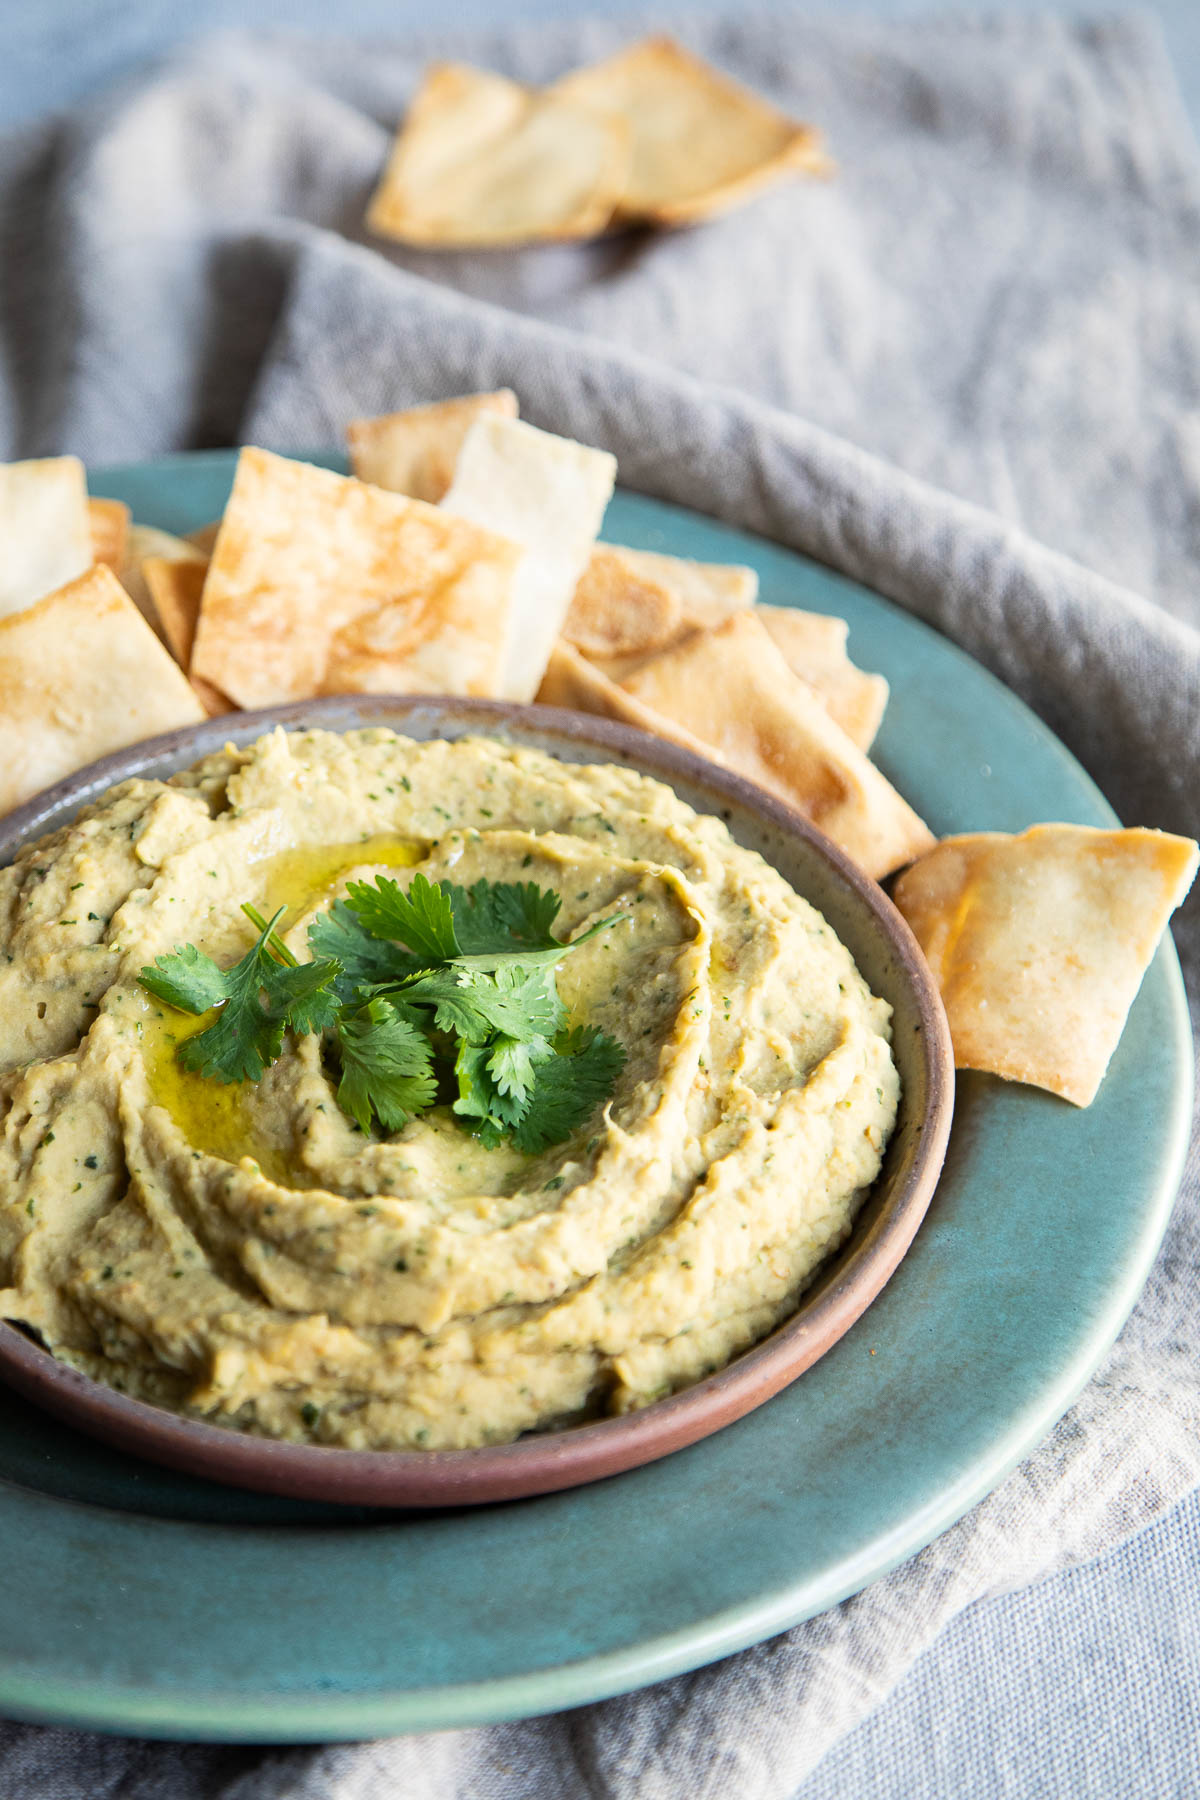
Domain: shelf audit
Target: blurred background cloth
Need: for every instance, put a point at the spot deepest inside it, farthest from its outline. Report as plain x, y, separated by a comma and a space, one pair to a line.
965, 371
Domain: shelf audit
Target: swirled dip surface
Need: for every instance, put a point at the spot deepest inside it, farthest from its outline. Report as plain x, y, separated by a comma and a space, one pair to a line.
245, 1253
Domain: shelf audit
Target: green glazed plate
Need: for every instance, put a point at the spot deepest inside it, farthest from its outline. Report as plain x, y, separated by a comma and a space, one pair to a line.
139, 1601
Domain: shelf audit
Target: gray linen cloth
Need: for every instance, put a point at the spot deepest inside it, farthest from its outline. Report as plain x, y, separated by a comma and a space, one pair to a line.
965, 372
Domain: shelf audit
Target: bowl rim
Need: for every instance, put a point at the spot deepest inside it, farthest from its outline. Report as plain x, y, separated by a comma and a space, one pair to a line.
541, 1462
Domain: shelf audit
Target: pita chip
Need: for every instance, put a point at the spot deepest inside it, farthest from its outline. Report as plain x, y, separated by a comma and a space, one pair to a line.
45, 530
1039, 943
814, 647
548, 495
700, 142
320, 583
577, 684
615, 611
482, 161
709, 593
416, 452
143, 542
108, 524
116, 686
732, 688
176, 584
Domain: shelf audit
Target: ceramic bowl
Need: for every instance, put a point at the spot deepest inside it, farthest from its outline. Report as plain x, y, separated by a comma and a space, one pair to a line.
863, 918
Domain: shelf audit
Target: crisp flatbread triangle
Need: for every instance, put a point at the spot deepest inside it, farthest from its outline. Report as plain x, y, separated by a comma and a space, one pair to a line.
547, 494
700, 142
108, 524
814, 647
482, 161
732, 688
709, 593
1039, 943
176, 584
616, 611
322, 584
416, 452
115, 686
143, 542
45, 530
577, 684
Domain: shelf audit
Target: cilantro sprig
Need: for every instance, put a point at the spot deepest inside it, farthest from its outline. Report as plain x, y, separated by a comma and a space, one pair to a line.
418, 990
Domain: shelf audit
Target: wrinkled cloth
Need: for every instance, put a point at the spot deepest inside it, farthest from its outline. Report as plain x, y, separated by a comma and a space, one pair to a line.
966, 372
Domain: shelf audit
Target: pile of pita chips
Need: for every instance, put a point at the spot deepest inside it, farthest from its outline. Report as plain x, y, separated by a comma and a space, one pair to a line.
1039, 943
113, 684
651, 136
676, 647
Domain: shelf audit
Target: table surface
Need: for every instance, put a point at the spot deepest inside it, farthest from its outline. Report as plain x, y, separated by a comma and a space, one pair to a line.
1093, 1670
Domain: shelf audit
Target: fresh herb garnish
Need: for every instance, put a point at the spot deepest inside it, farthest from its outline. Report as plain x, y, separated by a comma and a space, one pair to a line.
411, 985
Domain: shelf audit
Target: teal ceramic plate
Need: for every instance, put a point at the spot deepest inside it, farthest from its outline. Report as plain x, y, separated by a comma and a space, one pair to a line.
140, 1601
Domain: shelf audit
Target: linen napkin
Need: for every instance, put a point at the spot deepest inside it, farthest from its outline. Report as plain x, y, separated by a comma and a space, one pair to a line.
965, 372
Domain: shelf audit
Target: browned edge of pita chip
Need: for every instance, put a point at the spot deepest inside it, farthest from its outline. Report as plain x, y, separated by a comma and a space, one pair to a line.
108, 522
415, 452
1039, 942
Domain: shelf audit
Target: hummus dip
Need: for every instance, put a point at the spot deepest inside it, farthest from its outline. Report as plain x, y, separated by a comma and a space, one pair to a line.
246, 1254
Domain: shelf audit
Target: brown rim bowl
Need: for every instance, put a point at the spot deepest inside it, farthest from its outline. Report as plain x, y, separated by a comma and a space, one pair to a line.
863, 918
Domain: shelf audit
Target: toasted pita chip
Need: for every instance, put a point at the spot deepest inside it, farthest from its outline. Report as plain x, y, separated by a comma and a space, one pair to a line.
630, 604
574, 682
482, 161
617, 612
113, 684
322, 584
733, 689
814, 647
143, 542
108, 525
176, 585
547, 494
204, 537
416, 452
709, 593
45, 531
701, 142
1039, 943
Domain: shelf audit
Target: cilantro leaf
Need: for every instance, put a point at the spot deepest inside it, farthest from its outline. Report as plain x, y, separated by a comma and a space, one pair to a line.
568, 1086
258, 999
387, 1067
479, 1096
474, 1002
503, 915
366, 961
511, 1065
186, 979
422, 918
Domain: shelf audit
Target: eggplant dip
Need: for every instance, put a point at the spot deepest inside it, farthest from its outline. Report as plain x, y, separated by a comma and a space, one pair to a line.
394, 1095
